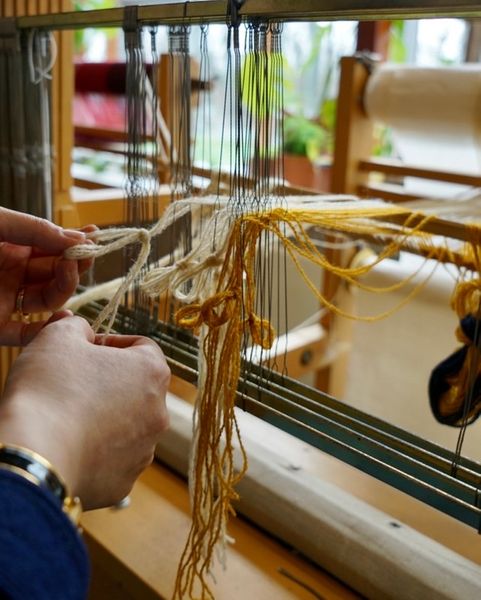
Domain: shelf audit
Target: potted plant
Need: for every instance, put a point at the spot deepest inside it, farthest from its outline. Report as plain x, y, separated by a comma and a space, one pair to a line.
308, 140
309, 100
307, 152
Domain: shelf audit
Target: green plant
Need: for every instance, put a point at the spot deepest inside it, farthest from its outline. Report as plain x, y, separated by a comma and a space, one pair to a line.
304, 137
397, 50
261, 85
311, 137
81, 35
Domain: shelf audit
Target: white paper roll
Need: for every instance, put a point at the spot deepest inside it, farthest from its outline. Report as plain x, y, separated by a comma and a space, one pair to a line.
435, 115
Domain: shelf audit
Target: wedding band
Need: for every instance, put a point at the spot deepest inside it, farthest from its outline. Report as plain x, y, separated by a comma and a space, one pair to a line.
19, 305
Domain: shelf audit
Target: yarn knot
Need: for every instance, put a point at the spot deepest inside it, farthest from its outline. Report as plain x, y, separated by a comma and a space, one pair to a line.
214, 312
262, 332
467, 298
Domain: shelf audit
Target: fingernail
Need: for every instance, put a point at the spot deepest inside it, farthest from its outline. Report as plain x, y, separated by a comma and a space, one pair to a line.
74, 235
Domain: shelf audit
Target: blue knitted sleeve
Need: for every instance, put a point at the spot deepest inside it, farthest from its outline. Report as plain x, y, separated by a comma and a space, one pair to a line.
42, 556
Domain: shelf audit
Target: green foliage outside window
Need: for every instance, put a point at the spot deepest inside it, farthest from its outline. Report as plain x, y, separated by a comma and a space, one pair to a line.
81, 35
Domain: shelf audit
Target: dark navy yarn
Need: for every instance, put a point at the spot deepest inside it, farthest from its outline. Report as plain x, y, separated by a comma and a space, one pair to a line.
449, 368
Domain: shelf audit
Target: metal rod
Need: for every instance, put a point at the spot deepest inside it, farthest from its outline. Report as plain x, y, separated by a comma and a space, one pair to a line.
448, 503
257, 380
215, 11
390, 454
381, 433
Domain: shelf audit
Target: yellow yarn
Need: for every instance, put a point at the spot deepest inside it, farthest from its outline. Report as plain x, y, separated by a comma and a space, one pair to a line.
228, 318
227, 321
467, 295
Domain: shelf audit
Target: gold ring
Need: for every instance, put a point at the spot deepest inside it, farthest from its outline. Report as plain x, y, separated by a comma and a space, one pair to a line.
19, 306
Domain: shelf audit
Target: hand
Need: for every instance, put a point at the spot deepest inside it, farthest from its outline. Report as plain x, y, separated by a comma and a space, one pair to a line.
93, 407
31, 260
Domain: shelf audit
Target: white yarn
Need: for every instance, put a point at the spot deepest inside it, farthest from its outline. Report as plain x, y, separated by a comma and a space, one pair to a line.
97, 292
117, 238
195, 266
110, 310
38, 72
199, 266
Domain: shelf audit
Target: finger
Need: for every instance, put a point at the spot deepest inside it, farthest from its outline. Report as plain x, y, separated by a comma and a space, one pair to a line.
123, 341
27, 230
89, 228
18, 333
81, 325
84, 265
42, 269
74, 324
13, 257
13, 261
60, 314
49, 296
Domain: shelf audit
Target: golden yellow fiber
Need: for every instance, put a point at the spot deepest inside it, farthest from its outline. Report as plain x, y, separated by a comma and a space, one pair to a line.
228, 319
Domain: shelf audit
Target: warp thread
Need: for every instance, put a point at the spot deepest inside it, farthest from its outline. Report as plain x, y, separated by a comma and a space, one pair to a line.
219, 304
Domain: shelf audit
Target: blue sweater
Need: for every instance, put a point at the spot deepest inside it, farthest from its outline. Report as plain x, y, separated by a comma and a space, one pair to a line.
42, 556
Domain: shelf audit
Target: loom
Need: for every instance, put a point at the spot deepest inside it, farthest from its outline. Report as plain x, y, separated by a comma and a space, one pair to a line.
428, 472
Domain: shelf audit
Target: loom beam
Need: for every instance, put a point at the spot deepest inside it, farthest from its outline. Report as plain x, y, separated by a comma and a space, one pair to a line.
214, 11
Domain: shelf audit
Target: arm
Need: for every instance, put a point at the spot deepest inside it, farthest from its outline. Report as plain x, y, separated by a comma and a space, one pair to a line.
93, 406
95, 411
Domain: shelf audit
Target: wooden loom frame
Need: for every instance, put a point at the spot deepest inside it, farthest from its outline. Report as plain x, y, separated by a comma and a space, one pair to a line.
333, 10
214, 11
352, 166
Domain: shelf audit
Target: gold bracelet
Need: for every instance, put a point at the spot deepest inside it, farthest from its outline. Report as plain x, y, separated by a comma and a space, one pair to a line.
39, 471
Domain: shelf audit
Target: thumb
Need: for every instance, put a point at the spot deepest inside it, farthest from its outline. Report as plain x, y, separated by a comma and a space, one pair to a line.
72, 325
60, 314
20, 333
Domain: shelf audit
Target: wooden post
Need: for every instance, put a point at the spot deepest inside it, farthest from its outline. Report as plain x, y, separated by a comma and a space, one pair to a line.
353, 141
373, 36
64, 212
165, 104
354, 131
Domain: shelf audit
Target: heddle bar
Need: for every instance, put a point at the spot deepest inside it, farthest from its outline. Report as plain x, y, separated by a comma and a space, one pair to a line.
403, 460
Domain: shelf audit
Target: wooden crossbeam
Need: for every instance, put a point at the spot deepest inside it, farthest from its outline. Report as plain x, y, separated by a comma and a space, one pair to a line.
397, 168
216, 11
